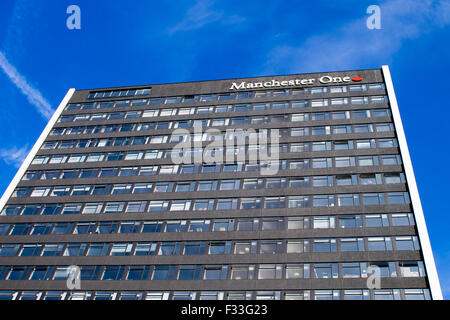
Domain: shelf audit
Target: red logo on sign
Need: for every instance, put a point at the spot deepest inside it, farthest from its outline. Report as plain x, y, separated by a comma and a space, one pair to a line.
357, 79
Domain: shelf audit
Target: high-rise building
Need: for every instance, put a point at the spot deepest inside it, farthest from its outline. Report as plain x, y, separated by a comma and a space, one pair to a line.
290, 187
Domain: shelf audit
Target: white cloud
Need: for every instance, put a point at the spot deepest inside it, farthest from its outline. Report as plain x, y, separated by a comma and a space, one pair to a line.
353, 45
201, 14
14, 155
33, 95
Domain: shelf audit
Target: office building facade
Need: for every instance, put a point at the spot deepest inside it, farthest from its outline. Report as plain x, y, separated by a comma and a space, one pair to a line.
159, 192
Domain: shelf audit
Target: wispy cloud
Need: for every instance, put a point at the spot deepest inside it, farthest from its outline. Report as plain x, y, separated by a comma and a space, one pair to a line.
201, 14
14, 155
33, 95
353, 45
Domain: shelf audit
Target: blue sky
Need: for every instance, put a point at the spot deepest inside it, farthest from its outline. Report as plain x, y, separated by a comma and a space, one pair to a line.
144, 42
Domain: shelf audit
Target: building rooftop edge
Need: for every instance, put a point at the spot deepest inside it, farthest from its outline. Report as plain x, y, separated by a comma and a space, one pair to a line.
224, 79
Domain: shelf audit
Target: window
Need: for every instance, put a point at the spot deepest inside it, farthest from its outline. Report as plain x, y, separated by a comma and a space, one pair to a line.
370, 179
114, 207
381, 113
398, 197
226, 204
161, 272
247, 224
229, 184
376, 220
352, 244
146, 171
152, 227
299, 202
402, 219
198, 225
242, 272
323, 201
134, 155
61, 159
203, 204
219, 247
207, 97
325, 270
373, 198
180, 205
270, 247
52, 250
215, 272
299, 182
411, 269
323, 222
108, 172
407, 243
295, 246
343, 129
121, 189
100, 189
137, 272
296, 271
158, 206
272, 223
9, 250
275, 202
324, 245
18, 273
98, 249
244, 247
319, 103
148, 114
391, 159
269, 271
379, 243
28, 250
121, 249
129, 227
81, 190
387, 143
223, 225
194, 248
106, 228
145, 249
297, 223
250, 203
417, 294
71, 208
113, 272
300, 117
321, 163
384, 127
189, 272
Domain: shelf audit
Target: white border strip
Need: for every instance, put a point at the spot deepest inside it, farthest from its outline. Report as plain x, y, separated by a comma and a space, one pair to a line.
430, 265
12, 186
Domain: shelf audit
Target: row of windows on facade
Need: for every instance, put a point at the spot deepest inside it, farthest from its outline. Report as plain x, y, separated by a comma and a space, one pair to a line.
238, 95
347, 221
207, 185
220, 136
169, 248
221, 109
217, 272
216, 122
216, 154
315, 163
328, 200
120, 93
344, 294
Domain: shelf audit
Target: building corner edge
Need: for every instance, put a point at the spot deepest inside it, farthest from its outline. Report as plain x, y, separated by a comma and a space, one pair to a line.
26, 163
424, 239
